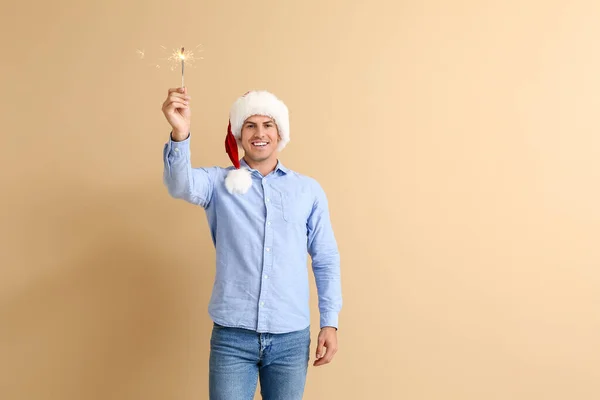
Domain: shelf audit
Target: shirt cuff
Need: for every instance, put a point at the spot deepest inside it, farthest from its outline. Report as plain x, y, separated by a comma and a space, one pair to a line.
329, 319
179, 148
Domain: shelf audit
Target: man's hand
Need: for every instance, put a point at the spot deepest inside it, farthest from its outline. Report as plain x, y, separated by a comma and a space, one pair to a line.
326, 346
177, 111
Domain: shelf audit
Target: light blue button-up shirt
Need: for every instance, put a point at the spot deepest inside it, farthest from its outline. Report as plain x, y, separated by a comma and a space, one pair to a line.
262, 240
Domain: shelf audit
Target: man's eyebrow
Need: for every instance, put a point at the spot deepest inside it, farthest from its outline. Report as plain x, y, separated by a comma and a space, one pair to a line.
266, 122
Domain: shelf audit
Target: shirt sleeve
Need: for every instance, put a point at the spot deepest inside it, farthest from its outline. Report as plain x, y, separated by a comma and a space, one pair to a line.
323, 249
194, 185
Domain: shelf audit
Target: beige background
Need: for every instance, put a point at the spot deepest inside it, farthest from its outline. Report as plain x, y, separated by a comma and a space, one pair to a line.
458, 142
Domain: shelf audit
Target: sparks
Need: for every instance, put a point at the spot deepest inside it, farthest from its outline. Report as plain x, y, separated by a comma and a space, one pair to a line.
177, 57
180, 56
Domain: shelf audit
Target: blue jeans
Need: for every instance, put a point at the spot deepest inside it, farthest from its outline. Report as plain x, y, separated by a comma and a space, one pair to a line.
239, 357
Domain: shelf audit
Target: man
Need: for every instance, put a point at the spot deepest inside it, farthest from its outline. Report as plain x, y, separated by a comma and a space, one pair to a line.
264, 220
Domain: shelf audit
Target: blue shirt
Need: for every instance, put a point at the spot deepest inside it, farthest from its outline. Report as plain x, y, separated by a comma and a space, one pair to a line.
262, 239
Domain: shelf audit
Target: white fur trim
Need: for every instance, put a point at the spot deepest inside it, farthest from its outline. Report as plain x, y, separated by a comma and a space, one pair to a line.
260, 103
238, 181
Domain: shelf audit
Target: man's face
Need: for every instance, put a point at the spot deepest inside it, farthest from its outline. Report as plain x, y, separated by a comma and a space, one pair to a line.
260, 138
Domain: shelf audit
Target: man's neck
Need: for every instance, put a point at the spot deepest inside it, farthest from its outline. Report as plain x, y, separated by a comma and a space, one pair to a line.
264, 167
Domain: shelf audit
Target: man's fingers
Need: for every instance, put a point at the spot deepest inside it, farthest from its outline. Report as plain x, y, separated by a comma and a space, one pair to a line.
320, 351
177, 103
174, 108
320, 359
177, 90
171, 107
326, 359
326, 349
329, 353
179, 96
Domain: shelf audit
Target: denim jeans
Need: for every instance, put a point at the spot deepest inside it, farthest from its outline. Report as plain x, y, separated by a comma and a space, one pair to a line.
239, 357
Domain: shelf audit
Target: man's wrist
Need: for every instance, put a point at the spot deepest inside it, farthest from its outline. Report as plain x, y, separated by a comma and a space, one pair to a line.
179, 136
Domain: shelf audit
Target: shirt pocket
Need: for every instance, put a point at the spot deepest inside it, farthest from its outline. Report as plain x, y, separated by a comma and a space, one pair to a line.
293, 207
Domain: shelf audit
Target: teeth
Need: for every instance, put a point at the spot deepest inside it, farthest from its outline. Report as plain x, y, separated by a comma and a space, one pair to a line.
259, 144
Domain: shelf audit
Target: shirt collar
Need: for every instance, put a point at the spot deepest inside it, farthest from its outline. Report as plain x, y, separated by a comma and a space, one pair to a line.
279, 167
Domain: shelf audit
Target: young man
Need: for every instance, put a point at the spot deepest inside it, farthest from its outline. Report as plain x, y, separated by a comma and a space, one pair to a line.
264, 220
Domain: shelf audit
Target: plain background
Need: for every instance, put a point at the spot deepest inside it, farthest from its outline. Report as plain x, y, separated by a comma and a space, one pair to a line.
457, 141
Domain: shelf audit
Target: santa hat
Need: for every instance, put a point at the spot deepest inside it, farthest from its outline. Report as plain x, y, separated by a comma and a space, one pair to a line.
239, 180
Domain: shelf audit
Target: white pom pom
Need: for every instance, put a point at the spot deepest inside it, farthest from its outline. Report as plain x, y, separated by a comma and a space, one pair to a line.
238, 181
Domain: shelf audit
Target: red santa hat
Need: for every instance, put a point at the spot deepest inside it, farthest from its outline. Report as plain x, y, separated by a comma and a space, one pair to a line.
260, 102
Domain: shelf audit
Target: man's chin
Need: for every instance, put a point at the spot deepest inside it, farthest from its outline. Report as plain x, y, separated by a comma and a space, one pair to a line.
257, 157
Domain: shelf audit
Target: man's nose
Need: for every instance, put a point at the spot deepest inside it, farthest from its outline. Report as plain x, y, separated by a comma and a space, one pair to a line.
261, 131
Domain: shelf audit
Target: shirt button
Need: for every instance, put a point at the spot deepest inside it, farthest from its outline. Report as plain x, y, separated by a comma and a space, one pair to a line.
262, 303
268, 249
268, 200
268, 222
266, 276
176, 149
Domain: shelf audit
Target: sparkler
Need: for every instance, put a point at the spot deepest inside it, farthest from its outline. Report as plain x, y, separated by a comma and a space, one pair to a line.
181, 55
177, 57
